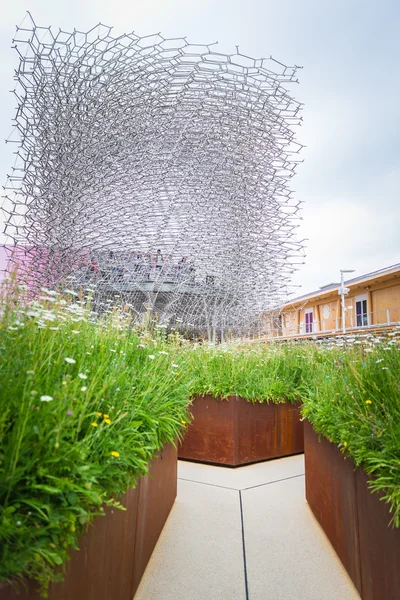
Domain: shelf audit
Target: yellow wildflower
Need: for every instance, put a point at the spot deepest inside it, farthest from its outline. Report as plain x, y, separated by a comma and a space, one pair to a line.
99, 414
368, 402
94, 425
183, 422
107, 421
345, 444
106, 416
116, 454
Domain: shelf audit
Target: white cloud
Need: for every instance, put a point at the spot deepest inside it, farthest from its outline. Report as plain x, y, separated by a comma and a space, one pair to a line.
347, 234
350, 86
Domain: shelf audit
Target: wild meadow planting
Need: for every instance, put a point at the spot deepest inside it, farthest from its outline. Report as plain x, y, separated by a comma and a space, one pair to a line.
351, 395
86, 402
88, 399
349, 390
257, 372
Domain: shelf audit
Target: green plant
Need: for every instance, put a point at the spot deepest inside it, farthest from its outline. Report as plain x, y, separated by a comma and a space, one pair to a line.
351, 395
85, 403
260, 373
349, 390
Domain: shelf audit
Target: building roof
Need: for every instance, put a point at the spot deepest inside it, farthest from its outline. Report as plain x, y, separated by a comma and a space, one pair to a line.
335, 286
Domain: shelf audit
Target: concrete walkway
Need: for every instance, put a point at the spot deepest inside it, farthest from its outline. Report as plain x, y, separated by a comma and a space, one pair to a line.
244, 534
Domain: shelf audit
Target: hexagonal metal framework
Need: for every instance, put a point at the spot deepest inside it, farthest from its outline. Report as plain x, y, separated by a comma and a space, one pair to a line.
156, 170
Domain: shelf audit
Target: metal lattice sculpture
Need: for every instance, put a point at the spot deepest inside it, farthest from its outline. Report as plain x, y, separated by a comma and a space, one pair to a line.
156, 170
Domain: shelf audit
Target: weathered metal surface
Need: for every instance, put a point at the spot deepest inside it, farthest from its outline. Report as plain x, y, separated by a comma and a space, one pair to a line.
210, 437
331, 494
257, 433
355, 520
156, 496
291, 429
106, 554
102, 567
116, 548
234, 432
379, 545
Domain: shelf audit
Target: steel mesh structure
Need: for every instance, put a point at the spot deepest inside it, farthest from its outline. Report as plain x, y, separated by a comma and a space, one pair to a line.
158, 171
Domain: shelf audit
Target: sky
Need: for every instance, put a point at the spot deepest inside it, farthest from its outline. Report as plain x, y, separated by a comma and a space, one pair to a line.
349, 84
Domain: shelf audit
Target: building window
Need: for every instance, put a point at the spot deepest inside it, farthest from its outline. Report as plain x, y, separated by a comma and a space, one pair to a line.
278, 324
309, 319
361, 311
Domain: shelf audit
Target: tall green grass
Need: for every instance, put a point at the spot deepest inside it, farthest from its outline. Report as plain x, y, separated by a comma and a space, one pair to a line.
259, 373
352, 397
349, 390
85, 403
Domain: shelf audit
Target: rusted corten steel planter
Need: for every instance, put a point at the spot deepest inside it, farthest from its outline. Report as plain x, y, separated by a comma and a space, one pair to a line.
115, 550
355, 520
237, 432
330, 492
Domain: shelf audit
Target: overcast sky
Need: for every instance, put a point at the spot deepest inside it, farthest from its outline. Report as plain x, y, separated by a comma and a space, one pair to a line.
350, 87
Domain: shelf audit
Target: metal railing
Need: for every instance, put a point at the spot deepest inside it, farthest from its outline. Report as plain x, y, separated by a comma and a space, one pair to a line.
138, 273
353, 322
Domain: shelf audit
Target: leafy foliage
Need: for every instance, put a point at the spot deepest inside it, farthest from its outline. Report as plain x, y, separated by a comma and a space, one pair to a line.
258, 373
350, 392
85, 404
351, 396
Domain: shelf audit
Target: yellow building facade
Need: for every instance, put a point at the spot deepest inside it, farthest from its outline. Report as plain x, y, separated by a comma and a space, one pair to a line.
373, 301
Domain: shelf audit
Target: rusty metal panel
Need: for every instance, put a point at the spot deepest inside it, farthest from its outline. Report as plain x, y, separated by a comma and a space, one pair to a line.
290, 429
114, 551
235, 432
102, 567
379, 545
210, 437
258, 432
156, 496
331, 494
268, 431
8, 592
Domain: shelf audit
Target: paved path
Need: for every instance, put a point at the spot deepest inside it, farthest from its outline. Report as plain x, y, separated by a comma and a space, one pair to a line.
244, 534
